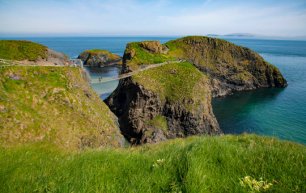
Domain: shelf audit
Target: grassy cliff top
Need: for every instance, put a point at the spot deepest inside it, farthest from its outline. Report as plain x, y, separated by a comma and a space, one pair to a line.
174, 82
53, 105
217, 58
110, 55
197, 164
22, 50
221, 58
207, 52
152, 52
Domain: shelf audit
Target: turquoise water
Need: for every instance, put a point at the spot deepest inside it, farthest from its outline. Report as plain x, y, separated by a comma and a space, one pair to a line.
274, 112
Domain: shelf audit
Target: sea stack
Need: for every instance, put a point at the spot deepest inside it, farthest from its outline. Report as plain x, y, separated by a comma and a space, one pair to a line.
99, 58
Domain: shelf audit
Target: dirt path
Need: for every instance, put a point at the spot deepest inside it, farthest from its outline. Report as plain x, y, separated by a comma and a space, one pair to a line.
27, 63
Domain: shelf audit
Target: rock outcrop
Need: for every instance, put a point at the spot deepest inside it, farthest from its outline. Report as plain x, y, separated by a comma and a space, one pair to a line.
56, 58
99, 58
174, 100
147, 115
230, 67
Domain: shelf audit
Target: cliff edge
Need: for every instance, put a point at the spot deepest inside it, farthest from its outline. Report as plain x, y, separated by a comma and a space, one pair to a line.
51, 104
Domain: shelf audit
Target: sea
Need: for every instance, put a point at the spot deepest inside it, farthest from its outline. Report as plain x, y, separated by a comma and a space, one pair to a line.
271, 112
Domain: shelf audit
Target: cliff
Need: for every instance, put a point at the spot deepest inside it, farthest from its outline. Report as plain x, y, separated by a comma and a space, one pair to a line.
230, 67
174, 100
30, 53
52, 104
99, 58
165, 102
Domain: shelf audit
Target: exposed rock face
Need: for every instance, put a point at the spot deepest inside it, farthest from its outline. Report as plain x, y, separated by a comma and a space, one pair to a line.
231, 67
170, 101
138, 110
57, 58
175, 100
99, 58
154, 47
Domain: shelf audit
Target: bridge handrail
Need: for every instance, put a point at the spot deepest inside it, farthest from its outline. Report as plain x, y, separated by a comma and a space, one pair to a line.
129, 74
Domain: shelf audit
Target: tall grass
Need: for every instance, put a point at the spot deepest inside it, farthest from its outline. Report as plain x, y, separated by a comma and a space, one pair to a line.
197, 164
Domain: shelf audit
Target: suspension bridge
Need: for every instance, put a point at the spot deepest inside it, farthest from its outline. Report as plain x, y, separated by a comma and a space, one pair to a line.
129, 74
79, 63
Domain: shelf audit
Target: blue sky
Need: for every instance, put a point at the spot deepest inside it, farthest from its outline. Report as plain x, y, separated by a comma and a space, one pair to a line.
283, 18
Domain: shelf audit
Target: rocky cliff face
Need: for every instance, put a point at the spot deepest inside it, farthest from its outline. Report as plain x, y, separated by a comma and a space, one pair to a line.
145, 117
99, 58
174, 100
170, 101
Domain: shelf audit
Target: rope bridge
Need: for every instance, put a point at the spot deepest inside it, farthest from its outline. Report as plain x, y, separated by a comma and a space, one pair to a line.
129, 74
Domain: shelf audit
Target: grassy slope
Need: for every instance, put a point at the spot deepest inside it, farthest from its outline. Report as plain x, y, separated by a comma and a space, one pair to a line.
21, 50
52, 104
176, 81
197, 164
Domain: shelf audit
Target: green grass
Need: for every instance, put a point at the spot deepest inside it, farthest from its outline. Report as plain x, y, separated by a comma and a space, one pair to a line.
197, 164
174, 82
53, 104
22, 50
159, 122
204, 51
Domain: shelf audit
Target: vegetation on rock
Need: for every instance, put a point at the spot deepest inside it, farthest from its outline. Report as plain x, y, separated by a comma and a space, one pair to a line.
196, 164
232, 67
176, 92
54, 105
22, 50
97, 57
175, 82
159, 121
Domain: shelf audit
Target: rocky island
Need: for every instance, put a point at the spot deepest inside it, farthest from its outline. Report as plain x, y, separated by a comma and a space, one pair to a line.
174, 100
99, 58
